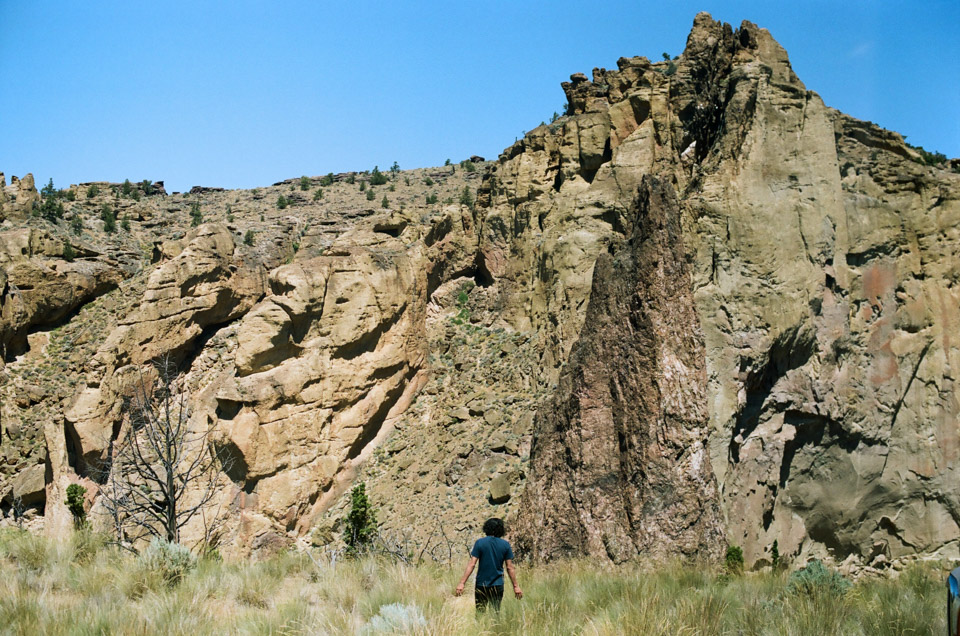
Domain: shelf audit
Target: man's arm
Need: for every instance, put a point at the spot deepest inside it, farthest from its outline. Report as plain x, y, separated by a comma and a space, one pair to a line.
512, 573
466, 575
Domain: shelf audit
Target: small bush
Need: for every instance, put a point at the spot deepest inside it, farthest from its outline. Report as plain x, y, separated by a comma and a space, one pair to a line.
733, 561
671, 69
76, 224
361, 522
775, 555
395, 169
392, 188
318, 194
281, 202
126, 188
370, 195
70, 195
431, 199
147, 186
466, 198
248, 238
427, 181
230, 214
377, 177
93, 190
327, 180
468, 165
68, 255
816, 577
109, 219
351, 178
385, 203
363, 186
75, 493
196, 215
171, 561
395, 618
125, 224
304, 183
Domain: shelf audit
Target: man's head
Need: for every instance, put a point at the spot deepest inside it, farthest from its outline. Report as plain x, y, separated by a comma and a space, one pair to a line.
493, 527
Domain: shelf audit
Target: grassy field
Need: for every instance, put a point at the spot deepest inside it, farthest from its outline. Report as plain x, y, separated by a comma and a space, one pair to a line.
82, 586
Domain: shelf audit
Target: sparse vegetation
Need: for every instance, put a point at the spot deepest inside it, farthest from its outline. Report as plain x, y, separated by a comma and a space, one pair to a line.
385, 203
370, 195
84, 585
318, 194
126, 188
281, 202
125, 224
304, 183
92, 190
468, 165
427, 181
68, 252
76, 224
248, 238
395, 169
431, 198
327, 180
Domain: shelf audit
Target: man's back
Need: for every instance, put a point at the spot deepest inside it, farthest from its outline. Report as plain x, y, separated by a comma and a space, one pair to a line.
491, 552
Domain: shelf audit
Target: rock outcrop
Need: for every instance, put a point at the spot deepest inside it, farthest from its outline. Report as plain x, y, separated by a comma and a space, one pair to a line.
619, 462
760, 347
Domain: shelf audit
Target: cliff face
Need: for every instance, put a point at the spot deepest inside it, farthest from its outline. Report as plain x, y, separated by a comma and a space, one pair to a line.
700, 307
619, 466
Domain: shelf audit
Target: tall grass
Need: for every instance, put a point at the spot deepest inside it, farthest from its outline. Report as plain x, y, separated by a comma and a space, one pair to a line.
82, 586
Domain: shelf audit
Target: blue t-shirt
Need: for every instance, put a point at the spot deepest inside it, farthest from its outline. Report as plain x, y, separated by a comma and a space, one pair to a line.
491, 552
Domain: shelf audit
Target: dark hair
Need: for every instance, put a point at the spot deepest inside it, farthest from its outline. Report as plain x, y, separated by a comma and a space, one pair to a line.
493, 527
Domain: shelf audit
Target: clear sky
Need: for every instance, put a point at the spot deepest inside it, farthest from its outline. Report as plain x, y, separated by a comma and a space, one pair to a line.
238, 93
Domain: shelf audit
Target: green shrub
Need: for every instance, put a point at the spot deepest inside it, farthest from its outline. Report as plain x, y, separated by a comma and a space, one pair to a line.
327, 180
109, 219
229, 213
377, 177
147, 186
318, 194
68, 255
361, 522
671, 69
775, 555
281, 202
76, 224
75, 493
92, 190
447, 162
304, 183
248, 237
48, 190
351, 178
70, 195
126, 188
385, 203
733, 560
392, 188
196, 214
171, 561
468, 165
466, 198
125, 224
816, 577
363, 186
370, 195
427, 181
50, 209
395, 169
432, 198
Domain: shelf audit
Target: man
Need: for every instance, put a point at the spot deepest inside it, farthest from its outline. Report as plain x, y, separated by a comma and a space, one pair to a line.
491, 553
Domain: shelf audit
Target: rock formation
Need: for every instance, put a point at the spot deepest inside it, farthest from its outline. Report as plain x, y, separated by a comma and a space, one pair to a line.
699, 308
619, 463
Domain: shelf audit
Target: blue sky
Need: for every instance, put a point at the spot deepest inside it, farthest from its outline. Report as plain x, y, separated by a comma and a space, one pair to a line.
242, 93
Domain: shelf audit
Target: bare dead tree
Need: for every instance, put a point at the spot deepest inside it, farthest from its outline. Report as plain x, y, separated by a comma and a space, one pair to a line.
163, 470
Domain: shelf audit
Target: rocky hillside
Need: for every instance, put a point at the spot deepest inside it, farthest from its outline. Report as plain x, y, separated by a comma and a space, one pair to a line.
699, 308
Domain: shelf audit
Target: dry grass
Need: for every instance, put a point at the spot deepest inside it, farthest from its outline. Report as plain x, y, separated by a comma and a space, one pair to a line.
82, 586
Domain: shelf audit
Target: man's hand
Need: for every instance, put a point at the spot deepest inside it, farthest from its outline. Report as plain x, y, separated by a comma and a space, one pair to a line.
517, 592
459, 590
